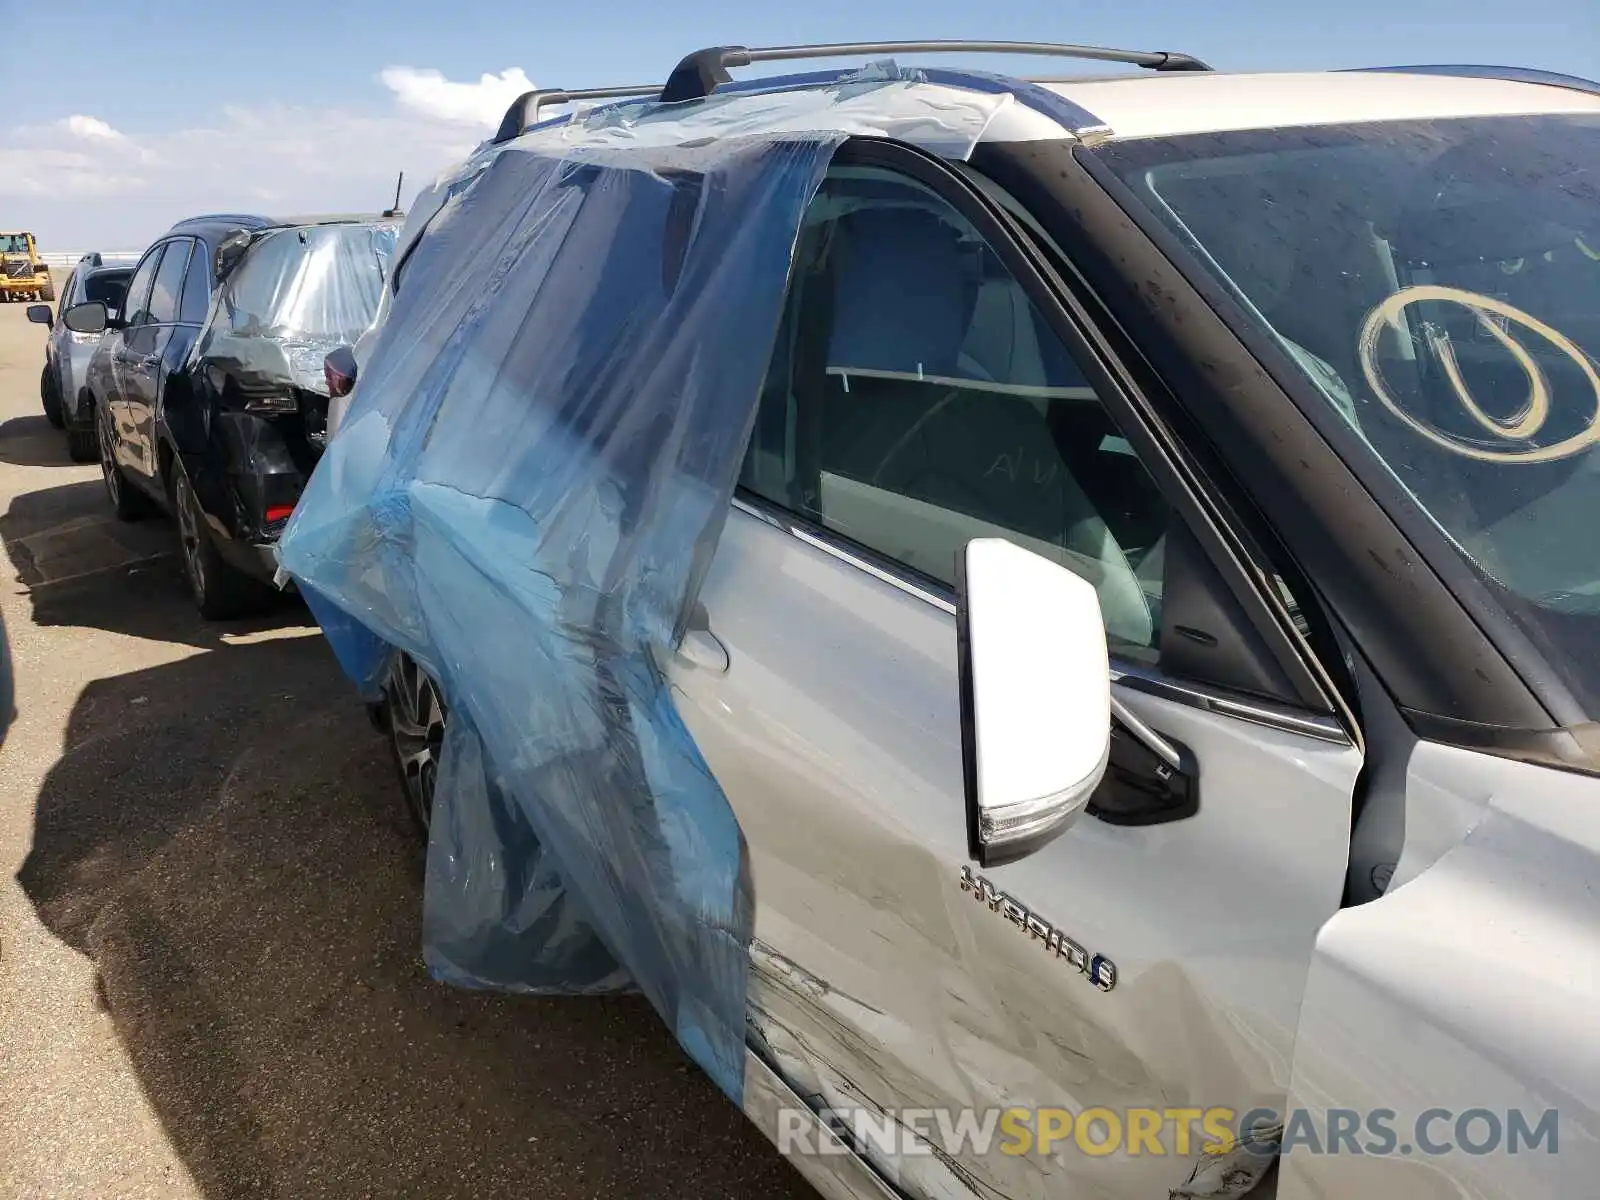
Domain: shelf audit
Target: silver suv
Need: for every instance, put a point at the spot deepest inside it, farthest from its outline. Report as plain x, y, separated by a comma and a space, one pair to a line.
63, 380
1059, 608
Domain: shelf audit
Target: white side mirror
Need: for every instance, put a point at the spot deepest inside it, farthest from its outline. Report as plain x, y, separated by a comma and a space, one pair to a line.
1035, 697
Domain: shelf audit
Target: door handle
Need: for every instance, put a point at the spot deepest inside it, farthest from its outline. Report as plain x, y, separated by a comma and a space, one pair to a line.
702, 649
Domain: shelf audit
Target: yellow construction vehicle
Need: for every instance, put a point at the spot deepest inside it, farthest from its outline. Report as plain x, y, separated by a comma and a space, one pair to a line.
23, 274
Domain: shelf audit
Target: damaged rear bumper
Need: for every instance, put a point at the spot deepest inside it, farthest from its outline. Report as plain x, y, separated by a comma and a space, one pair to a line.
249, 481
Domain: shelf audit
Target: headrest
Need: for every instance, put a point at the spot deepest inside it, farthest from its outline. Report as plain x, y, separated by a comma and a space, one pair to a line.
904, 290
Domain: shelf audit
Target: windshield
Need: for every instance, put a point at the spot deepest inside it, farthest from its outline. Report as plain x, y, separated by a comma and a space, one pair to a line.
1437, 284
14, 243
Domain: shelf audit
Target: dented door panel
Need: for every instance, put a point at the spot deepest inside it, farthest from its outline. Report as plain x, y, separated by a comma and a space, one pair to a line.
1470, 985
879, 980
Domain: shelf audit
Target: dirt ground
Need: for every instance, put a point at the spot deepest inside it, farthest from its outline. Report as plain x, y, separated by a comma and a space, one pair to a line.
210, 977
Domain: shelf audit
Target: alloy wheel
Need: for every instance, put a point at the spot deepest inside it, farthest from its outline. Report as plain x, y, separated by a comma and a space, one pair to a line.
108, 460
189, 535
417, 716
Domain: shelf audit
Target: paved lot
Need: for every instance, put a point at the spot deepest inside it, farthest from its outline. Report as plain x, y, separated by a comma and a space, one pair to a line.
210, 980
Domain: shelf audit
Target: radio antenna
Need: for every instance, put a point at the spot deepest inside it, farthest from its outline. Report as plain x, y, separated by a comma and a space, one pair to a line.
398, 184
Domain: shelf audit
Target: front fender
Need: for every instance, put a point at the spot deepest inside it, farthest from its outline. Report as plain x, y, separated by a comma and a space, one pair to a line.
1467, 992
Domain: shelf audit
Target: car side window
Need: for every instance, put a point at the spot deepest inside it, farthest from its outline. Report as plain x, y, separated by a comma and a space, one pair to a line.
169, 282
107, 287
68, 295
196, 301
136, 309
917, 399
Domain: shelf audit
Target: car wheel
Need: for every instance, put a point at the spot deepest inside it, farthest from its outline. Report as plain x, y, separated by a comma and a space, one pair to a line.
50, 395
85, 445
220, 590
415, 714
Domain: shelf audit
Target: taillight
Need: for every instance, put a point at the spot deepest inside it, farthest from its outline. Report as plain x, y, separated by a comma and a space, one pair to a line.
272, 404
278, 512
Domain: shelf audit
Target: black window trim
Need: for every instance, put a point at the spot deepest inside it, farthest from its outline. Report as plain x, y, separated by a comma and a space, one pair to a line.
66, 301
155, 250
1321, 705
203, 249
178, 301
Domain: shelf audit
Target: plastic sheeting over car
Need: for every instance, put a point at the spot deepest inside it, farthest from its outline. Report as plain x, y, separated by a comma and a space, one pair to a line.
525, 494
299, 293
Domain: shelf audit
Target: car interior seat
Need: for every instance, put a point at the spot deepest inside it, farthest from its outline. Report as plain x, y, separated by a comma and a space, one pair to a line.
912, 455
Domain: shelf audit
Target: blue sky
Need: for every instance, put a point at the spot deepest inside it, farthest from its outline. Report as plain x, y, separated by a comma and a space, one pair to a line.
153, 109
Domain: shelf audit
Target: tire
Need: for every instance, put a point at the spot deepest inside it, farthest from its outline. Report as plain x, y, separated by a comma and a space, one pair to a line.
50, 395
220, 590
414, 716
47, 292
88, 445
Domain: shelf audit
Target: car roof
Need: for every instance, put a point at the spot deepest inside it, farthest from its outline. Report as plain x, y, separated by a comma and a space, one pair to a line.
1167, 105
214, 225
337, 219
217, 227
1176, 94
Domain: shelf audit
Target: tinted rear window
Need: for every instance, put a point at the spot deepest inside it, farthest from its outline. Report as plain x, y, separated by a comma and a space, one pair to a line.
108, 287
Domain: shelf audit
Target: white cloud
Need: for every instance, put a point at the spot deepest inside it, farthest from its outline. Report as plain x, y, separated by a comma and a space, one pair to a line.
90, 128
426, 91
81, 184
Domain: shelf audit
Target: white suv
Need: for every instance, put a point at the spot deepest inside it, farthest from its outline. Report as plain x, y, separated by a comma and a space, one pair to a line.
997, 599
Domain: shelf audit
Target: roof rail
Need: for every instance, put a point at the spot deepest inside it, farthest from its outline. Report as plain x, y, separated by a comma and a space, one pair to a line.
701, 73
1512, 74
524, 110
222, 216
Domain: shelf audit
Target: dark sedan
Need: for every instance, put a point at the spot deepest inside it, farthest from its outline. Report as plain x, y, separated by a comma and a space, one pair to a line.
218, 413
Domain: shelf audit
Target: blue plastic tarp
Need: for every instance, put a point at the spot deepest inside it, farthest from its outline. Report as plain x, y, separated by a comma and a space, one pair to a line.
523, 496
524, 492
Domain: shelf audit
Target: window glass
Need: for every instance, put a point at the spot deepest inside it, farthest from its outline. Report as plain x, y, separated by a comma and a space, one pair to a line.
1436, 284
139, 289
196, 288
917, 399
108, 287
169, 282
69, 295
